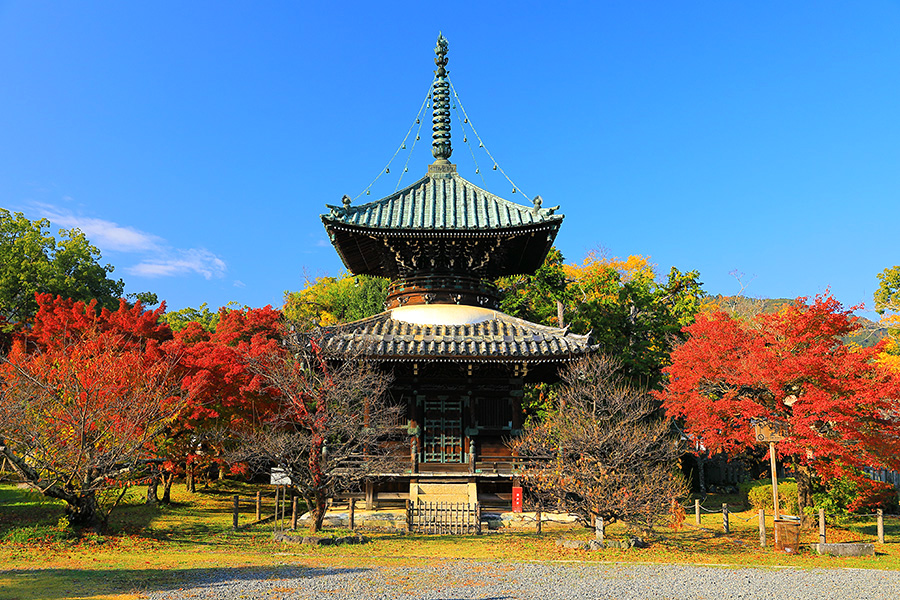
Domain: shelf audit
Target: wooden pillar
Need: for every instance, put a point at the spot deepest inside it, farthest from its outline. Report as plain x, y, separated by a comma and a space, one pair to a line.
294, 513
537, 517
353, 513
259, 505
762, 528
880, 514
472, 455
725, 525
414, 453
697, 511
774, 467
477, 518
822, 526
234, 520
370, 495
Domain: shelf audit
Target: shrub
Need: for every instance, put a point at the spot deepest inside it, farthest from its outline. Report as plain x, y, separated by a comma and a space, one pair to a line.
760, 496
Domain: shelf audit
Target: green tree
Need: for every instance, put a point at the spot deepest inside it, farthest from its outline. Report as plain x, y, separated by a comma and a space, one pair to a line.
33, 261
632, 313
332, 300
179, 319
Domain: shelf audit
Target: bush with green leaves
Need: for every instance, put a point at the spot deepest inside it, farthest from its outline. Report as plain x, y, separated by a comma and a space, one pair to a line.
759, 495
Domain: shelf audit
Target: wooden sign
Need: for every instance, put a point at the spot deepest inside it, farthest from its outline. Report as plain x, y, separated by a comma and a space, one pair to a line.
770, 431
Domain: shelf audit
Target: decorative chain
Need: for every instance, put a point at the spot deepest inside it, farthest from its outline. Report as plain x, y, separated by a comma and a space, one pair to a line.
466, 120
387, 168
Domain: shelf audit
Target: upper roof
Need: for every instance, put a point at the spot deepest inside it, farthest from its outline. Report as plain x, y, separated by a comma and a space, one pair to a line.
442, 202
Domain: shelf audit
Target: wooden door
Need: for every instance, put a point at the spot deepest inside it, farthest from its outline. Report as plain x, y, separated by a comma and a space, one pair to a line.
443, 435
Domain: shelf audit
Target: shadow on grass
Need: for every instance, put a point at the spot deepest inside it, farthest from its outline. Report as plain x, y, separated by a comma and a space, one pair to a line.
44, 584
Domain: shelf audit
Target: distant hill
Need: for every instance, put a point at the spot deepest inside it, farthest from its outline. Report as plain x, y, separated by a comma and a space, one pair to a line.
869, 334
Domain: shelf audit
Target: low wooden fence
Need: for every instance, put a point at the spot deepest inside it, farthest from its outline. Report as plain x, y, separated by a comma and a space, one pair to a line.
443, 518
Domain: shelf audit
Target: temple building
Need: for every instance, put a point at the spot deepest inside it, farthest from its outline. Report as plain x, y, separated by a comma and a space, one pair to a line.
459, 365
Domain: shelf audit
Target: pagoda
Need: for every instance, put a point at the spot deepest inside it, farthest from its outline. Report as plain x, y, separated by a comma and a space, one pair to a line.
459, 365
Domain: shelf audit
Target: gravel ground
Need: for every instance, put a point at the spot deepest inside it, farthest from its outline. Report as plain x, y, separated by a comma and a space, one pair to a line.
457, 580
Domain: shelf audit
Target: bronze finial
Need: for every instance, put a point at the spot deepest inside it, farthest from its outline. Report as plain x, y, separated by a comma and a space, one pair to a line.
440, 103
346, 201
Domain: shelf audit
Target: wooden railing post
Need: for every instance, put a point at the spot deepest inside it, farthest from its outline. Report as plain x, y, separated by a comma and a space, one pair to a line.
880, 526
353, 513
259, 505
477, 518
234, 523
697, 511
822, 526
294, 513
725, 526
537, 516
762, 528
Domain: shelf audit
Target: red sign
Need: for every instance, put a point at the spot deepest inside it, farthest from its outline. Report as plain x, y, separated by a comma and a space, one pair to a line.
517, 499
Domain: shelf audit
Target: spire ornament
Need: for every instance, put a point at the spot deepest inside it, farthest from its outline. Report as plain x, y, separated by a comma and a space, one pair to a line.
440, 104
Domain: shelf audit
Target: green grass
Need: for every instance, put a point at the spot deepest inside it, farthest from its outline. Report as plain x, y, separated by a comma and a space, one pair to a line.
152, 548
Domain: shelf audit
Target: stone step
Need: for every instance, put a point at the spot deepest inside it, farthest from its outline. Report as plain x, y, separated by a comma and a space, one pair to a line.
443, 492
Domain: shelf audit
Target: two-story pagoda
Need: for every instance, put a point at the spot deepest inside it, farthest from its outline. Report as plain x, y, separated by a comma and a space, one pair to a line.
459, 365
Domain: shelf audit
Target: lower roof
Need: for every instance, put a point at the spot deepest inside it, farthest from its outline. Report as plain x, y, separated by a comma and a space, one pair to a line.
447, 332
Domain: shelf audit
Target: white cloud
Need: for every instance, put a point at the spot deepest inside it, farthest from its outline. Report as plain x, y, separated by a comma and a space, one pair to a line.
239, 284
181, 262
104, 234
158, 258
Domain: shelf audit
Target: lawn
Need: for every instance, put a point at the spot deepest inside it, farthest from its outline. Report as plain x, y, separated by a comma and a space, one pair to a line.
156, 548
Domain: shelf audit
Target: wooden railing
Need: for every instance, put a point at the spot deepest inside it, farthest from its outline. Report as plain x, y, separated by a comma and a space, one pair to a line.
444, 518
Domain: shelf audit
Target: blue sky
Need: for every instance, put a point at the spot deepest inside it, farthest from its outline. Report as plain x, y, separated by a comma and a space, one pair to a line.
197, 143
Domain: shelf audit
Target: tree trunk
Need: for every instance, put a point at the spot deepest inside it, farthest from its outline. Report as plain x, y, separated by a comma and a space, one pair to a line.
317, 509
701, 472
153, 486
168, 479
84, 511
189, 482
804, 492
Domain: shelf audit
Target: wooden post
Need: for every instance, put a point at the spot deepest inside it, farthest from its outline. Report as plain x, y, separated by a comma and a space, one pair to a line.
477, 518
370, 495
774, 479
258, 505
599, 528
725, 517
880, 526
353, 512
275, 520
234, 523
294, 514
537, 516
409, 516
762, 528
822, 526
697, 511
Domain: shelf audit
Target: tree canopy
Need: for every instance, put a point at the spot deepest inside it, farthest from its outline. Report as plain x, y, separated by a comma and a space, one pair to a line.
34, 262
839, 404
331, 300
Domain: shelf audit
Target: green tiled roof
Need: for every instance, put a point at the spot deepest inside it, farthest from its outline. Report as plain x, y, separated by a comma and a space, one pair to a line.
442, 202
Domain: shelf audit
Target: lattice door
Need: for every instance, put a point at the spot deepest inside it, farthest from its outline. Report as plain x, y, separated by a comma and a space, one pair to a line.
443, 442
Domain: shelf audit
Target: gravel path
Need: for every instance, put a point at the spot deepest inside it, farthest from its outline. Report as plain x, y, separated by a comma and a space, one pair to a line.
458, 580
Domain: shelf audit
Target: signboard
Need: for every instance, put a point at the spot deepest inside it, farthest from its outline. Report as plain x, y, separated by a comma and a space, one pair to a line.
770, 431
279, 477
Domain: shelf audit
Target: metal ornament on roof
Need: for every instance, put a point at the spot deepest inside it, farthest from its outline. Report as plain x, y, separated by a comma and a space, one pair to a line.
440, 103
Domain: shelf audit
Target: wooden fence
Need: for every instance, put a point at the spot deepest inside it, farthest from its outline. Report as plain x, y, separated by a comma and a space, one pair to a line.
443, 518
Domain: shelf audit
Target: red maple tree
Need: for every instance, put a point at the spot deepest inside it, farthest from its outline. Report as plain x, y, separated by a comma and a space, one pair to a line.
841, 407
224, 402
84, 397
